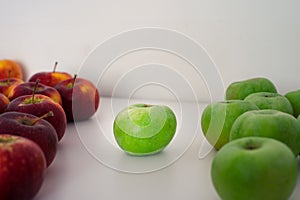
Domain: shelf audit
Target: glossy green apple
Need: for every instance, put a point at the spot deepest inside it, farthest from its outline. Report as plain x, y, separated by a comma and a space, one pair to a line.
143, 129
268, 123
254, 168
269, 100
217, 119
241, 89
294, 98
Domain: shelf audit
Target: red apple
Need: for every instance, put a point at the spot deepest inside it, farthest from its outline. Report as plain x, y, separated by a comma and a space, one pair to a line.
38, 88
38, 104
80, 98
50, 78
13, 67
4, 101
22, 168
7, 84
33, 128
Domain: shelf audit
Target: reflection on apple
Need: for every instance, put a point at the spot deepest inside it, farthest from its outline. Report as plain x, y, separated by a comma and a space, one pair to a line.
217, 119
80, 98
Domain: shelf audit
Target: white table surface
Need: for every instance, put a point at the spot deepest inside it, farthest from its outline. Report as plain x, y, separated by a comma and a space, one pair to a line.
76, 174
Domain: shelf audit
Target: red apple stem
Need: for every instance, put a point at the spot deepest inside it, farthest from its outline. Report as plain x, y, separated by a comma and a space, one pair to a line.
73, 82
9, 73
55, 65
48, 114
34, 89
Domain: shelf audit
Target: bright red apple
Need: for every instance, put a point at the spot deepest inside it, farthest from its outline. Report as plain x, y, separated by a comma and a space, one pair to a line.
38, 105
80, 98
33, 128
38, 88
50, 78
22, 168
4, 101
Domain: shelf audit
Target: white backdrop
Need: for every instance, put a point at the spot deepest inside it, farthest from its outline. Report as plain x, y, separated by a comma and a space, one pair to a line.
244, 38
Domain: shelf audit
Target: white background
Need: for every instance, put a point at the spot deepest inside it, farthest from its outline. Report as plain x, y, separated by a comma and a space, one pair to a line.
244, 38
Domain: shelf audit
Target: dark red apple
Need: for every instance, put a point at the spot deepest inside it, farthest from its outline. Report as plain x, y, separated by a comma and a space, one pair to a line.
38, 88
80, 98
38, 105
22, 168
4, 101
50, 78
33, 128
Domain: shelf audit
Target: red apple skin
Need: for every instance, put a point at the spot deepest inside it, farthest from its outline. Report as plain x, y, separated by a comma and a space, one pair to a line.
42, 105
22, 168
81, 101
4, 101
50, 78
27, 88
7, 84
42, 132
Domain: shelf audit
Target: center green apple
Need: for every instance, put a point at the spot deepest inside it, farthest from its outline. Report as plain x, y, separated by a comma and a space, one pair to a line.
254, 168
217, 119
143, 129
268, 123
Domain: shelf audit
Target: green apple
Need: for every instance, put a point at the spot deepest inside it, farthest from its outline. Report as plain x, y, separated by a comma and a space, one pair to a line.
217, 119
254, 168
268, 123
270, 100
241, 89
294, 98
143, 129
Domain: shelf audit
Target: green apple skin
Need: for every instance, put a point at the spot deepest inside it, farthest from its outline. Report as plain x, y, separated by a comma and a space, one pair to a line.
268, 123
294, 98
254, 168
142, 129
241, 89
269, 100
216, 132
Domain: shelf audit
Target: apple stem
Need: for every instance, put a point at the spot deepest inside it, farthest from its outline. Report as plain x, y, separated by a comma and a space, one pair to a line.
48, 114
34, 89
73, 82
8, 79
55, 65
